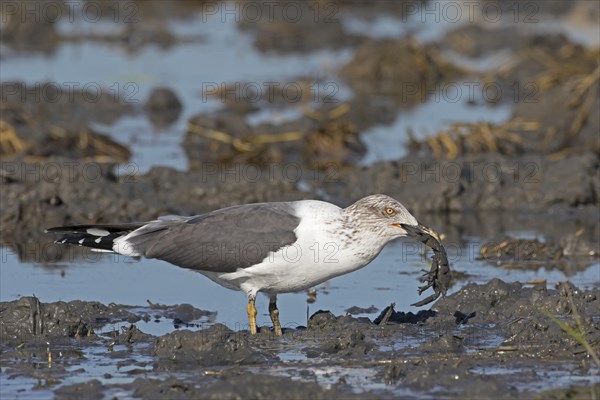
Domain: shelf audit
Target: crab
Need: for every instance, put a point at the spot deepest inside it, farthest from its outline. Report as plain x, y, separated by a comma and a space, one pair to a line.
438, 277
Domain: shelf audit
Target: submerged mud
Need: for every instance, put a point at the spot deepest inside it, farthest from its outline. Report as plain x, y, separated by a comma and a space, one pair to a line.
509, 327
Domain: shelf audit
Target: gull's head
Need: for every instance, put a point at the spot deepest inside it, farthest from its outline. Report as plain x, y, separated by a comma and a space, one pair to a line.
382, 215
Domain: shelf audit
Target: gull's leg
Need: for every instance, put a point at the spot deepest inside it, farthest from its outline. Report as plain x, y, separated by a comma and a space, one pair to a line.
252, 314
274, 312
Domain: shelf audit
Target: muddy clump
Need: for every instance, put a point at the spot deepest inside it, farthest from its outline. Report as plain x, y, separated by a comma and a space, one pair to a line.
532, 315
181, 313
25, 32
234, 385
248, 97
532, 253
296, 27
542, 73
27, 318
491, 183
163, 107
129, 335
47, 119
89, 389
338, 335
476, 41
547, 62
215, 186
217, 345
511, 138
360, 310
403, 69
566, 127
315, 141
541, 77
269, 386
32, 26
532, 131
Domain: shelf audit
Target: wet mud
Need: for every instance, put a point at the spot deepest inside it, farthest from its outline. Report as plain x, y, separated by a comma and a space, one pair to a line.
45, 119
394, 67
511, 328
537, 171
318, 141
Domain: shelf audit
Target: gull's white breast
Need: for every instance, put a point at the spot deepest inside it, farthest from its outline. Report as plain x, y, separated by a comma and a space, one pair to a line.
321, 252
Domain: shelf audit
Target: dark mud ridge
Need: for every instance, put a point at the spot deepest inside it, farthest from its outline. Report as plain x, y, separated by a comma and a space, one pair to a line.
496, 340
565, 189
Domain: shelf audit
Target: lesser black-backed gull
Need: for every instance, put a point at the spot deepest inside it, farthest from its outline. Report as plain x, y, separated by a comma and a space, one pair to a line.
265, 247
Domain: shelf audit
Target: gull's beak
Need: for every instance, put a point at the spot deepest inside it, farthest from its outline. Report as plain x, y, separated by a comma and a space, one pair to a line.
419, 230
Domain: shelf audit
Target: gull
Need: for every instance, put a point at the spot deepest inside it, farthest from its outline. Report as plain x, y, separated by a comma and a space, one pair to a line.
273, 248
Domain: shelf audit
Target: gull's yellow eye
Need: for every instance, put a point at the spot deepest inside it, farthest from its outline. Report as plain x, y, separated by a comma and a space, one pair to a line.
390, 211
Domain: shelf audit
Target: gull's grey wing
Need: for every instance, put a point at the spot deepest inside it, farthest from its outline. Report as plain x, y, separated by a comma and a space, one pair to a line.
221, 241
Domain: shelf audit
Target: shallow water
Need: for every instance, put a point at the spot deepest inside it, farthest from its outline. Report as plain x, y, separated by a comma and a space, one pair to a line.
219, 53
435, 115
92, 363
222, 55
545, 378
391, 278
